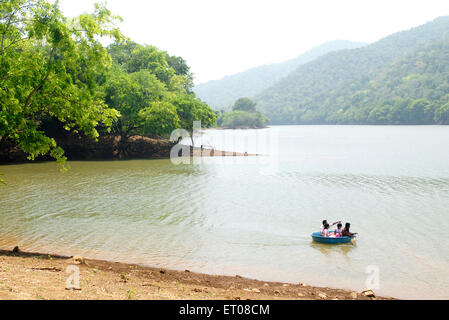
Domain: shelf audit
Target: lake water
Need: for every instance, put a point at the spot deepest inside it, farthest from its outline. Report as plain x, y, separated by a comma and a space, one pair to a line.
254, 216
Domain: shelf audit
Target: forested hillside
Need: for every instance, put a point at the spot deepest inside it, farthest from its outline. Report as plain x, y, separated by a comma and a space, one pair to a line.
402, 79
221, 94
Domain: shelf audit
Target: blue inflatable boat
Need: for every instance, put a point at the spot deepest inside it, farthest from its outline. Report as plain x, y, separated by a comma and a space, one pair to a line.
316, 236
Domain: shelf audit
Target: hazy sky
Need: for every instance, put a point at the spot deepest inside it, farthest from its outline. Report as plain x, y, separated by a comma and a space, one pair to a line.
219, 38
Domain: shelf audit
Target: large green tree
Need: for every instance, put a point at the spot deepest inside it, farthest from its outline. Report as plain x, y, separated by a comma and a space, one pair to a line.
191, 109
161, 118
244, 104
130, 94
242, 119
54, 70
244, 115
152, 91
48, 68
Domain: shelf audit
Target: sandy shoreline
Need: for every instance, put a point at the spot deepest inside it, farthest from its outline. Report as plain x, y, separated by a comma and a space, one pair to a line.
39, 276
206, 152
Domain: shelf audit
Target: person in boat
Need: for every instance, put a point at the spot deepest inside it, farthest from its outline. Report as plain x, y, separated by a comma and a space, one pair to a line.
325, 232
346, 232
339, 230
322, 227
324, 223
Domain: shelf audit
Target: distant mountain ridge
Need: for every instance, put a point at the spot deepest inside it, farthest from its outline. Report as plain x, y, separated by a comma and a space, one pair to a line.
401, 79
221, 94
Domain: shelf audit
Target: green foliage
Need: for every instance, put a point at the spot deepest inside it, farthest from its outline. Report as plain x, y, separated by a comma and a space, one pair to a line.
129, 94
244, 115
243, 119
244, 104
173, 71
48, 68
402, 79
191, 109
152, 59
55, 75
181, 69
160, 119
151, 89
130, 294
442, 114
222, 93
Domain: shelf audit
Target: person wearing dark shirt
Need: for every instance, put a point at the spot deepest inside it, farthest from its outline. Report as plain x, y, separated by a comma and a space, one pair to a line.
346, 232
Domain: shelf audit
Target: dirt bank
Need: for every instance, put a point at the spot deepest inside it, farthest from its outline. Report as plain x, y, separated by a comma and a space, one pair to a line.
79, 148
43, 276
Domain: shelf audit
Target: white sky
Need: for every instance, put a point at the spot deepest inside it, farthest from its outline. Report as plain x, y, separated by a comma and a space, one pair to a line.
219, 38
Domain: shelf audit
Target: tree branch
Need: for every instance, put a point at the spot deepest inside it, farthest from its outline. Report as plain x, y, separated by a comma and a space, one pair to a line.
41, 84
3, 36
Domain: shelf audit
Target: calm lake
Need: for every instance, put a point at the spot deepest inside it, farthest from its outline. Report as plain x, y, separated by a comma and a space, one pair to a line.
253, 216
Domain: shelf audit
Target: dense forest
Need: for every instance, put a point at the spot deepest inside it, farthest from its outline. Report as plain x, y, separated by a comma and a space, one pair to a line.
152, 91
402, 79
55, 73
221, 94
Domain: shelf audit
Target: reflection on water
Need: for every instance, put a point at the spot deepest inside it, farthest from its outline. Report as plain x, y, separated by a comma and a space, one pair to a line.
327, 249
230, 216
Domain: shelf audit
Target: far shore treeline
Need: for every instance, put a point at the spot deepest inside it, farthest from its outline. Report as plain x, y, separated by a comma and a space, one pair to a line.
55, 72
402, 79
244, 115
